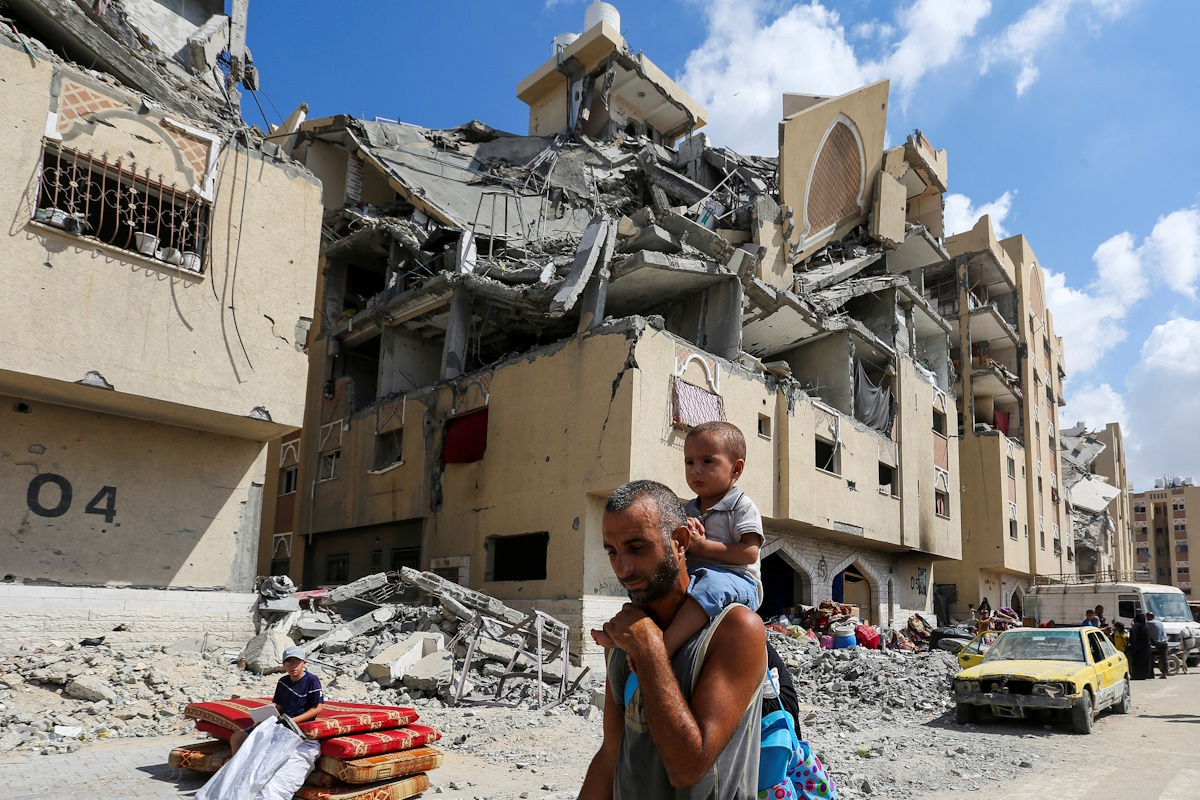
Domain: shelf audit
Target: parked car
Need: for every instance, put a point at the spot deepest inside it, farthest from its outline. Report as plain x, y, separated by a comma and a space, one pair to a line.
1072, 670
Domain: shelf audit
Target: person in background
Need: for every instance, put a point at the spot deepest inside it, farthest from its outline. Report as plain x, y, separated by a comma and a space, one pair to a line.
1138, 650
1158, 641
1119, 637
1101, 622
1089, 619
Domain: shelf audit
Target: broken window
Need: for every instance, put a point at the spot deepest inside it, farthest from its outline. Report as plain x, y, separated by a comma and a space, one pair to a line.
287, 480
939, 422
327, 469
387, 449
827, 456
941, 503
691, 405
466, 438
337, 568
517, 558
887, 480
764, 426
406, 557
86, 196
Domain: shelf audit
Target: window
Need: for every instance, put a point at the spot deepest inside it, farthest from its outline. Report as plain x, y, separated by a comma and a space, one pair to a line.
1127, 606
1039, 484
86, 196
327, 470
764, 426
1012, 468
692, 405
517, 558
1139, 508
939, 422
287, 481
1177, 505
826, 454
1095, 648
337, 568
1160, 551
1012, 529
1070, 554
1181, 525
941, 503
406, 557
466, 438
280, 566
1181, 570
1181, 547
887, 480
388, 449
376, 561
1042, 539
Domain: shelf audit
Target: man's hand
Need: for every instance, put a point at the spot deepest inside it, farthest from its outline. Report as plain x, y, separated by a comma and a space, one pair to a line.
633, 631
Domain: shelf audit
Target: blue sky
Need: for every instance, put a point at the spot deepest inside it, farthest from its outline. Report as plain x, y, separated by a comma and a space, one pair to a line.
1074, 122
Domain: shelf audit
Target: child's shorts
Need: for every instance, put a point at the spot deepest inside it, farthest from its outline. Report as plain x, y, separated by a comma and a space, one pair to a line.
715, 588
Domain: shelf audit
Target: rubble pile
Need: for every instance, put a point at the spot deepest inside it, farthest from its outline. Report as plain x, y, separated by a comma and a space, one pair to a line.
858, 680
56, 695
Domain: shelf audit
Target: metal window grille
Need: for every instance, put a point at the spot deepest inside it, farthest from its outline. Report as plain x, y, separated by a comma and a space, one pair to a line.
86, 195
692, 405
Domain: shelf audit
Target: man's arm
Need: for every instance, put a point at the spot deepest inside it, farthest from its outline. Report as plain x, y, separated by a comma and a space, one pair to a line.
598, 785
689, 739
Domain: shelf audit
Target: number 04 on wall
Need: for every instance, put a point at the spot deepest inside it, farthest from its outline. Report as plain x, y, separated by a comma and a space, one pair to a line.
104, 503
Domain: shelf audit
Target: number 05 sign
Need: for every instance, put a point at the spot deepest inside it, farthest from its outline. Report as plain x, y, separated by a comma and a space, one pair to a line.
50, 495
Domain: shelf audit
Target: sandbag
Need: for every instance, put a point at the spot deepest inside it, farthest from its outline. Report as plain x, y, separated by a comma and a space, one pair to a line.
291, 776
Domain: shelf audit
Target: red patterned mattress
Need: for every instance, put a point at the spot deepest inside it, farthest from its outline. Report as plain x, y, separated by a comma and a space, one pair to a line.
355, 746
387, 766
336, 719
360, 745
396, 790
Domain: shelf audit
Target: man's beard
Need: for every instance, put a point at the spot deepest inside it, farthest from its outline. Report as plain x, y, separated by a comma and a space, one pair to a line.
658, 584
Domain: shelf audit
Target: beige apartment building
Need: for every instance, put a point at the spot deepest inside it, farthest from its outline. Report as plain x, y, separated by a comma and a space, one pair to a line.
504, 339
1010, 365
1160, 530
160, 266
1111, 465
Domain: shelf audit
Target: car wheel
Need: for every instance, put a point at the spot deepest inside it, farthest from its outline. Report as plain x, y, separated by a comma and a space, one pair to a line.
1083, 713
964, 713
1126, 702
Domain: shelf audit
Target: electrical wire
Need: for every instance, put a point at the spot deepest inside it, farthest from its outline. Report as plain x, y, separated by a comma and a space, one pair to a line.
266, 121
238, 251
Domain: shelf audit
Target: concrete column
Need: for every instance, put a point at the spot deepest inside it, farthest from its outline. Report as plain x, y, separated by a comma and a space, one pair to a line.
458, 334
723, 324
595, 296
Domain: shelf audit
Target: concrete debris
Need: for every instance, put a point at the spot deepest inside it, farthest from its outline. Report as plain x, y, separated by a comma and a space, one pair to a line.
264, 653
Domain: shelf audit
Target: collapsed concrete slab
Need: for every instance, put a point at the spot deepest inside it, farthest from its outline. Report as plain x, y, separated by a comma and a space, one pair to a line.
393, 662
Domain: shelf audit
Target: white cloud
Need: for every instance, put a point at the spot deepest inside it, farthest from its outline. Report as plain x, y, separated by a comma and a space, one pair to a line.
961, 215
1161, 403
1091, 320
1024, 39
754, 52
1096, 406
1174, 247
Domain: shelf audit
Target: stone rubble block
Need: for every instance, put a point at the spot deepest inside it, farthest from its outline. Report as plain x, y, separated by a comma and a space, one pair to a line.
430, 672
391, 664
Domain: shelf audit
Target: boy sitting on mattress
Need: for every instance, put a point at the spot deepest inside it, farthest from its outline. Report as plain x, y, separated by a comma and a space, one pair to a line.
297, 695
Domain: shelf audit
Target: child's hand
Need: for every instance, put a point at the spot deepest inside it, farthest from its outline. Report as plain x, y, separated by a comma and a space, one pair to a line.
603, 639
696, 529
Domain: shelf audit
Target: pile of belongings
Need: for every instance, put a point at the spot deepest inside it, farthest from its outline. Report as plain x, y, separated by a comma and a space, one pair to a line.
1004, 619
360, 752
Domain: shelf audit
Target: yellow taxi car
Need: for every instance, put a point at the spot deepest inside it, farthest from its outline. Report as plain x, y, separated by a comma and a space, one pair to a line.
1076, 670
977, 648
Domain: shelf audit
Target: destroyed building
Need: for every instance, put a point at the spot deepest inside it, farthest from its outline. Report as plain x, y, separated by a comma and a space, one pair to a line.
1160, 530
509, 327
160, 260
1095, 488
1011, 371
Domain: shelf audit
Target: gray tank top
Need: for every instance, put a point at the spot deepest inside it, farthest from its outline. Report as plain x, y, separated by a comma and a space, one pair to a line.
640, 772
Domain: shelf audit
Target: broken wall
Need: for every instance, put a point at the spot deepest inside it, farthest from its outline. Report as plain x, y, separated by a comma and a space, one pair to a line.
829, 155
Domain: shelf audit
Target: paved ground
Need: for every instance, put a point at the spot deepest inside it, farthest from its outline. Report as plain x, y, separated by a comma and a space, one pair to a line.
1153, 754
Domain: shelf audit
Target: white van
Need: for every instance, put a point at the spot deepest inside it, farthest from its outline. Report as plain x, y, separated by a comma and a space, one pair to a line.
1066, 604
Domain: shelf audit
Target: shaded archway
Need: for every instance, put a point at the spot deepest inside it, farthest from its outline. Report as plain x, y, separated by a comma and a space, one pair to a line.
786, 585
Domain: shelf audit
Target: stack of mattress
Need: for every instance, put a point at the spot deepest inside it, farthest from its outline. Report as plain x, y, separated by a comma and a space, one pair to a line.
367, 752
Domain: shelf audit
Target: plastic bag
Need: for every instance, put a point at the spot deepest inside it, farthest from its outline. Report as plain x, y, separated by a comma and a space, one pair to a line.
290, 777
264, 752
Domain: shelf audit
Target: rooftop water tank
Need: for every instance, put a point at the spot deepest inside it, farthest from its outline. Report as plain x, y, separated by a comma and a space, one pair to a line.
563, 41
599, 12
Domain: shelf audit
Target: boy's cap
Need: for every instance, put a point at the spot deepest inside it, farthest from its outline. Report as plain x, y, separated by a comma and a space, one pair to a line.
294, 651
